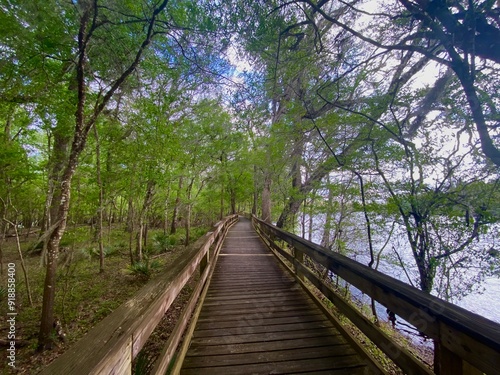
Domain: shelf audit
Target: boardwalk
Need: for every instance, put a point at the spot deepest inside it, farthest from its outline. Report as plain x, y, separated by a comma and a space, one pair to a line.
256, 319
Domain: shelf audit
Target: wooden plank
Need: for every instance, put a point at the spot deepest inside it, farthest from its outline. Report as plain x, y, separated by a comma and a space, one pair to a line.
255, 347
259, 347
399, 355
263, 337
118, 363
257, 319
375, 367
352, 371
250, 291
313, 317
480, 338
463, 346
348, 364
281, 299
185, 345
273, 328
216, 295
270, 307
254, 283
113, 333
147, 321
468, 369
168, 352
268, 356
446, 362
298, 261
232, 284
256, 316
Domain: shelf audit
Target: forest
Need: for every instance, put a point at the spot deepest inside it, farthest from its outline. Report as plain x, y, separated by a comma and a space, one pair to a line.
369, 127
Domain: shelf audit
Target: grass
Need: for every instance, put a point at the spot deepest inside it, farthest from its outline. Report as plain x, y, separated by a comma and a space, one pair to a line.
83, 295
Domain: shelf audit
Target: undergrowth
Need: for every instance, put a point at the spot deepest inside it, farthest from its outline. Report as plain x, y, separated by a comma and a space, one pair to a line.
84, 296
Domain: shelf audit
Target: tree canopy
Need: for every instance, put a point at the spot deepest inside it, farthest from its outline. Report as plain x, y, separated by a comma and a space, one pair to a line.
319, 116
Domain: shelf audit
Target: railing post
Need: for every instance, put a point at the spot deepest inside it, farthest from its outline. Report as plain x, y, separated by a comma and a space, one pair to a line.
446, 362
204, 261
299, 258
470, 370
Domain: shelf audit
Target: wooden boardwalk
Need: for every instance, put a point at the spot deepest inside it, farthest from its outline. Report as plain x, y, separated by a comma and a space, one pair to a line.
256, 319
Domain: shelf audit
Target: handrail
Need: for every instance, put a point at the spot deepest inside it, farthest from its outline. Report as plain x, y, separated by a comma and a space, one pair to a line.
111, 346
466, 343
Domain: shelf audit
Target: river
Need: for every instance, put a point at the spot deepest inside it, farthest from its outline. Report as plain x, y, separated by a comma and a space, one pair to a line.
483, 300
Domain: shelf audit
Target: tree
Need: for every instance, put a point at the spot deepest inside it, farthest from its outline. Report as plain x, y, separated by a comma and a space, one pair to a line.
460, 35
351, 110
91, 50
92, 20
440, 218
20, 182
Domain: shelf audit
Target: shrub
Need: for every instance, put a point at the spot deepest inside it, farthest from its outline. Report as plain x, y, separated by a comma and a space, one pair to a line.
144, 269
93, 251
111, 250
90, 252
161, 242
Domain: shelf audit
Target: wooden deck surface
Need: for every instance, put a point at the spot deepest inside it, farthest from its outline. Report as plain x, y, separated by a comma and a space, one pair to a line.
256, 319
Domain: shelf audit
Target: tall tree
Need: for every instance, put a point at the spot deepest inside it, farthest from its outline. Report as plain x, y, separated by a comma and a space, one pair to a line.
461, 35
89, 52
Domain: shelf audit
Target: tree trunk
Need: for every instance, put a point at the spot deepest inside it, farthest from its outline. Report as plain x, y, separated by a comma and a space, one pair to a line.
325, 239
233, 201
165, 210
3, 230
255, 191
290, 209
111, 218
130, 212
173, 226
100, 210
266, 198
311, 208
187, 223
296, 196
83, 125
131, 244
141, 235
57, 162
221, 213
303, 218
21, 258
45, 340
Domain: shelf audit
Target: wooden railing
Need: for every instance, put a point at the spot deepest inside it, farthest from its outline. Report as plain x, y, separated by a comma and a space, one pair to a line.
465, 343
111, 346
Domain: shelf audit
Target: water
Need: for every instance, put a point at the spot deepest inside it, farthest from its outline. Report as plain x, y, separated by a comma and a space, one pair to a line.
486, 304
483, 300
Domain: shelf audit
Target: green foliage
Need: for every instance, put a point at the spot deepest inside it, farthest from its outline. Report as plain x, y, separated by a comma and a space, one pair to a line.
212, 148
163, 242
144, 269
198, 232
108, 251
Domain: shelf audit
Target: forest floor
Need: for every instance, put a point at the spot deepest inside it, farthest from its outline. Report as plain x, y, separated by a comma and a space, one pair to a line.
84, 295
